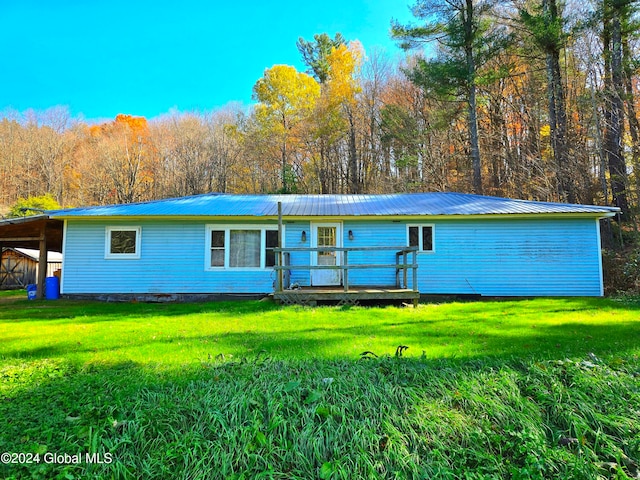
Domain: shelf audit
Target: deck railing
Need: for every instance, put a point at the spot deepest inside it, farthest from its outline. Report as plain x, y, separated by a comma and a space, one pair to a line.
401, 265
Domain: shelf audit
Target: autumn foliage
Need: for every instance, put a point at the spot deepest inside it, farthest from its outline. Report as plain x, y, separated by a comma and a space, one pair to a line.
363, 122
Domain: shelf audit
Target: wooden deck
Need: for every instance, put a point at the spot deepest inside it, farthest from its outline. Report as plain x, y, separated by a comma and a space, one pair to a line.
347, 293
353, 296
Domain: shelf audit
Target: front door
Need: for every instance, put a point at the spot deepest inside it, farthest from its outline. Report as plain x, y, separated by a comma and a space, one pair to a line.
326, 235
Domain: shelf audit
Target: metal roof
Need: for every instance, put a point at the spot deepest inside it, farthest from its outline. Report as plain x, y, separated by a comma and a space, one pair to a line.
52, 257
398, 204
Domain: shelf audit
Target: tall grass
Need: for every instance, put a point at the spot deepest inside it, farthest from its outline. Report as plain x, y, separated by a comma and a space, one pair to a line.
380, 418
294, 404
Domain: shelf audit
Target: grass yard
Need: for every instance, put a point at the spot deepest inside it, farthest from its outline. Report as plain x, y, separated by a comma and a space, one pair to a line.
544, 388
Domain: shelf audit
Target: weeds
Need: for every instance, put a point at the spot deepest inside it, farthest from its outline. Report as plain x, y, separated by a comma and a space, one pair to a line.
386, 418
253, 412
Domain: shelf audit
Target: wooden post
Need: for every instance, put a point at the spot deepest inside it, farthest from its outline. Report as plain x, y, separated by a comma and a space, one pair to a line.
345, 278
415, 271
1, 252
280, 262
42, 262
404, 269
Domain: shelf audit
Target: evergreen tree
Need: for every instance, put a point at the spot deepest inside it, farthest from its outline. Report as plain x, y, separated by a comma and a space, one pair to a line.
546, 27
467, 39
315, 54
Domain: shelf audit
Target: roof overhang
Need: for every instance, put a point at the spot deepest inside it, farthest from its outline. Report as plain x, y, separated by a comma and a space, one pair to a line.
26, 232
405, 205
290, 218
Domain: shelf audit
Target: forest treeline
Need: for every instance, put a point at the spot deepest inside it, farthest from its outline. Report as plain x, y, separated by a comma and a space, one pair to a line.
533, 99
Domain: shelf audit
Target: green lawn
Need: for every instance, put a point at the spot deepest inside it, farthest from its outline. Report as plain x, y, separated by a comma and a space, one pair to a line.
544, 388
177, 334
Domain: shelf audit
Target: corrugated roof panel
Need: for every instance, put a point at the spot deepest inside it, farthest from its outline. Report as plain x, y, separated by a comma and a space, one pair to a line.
399, 204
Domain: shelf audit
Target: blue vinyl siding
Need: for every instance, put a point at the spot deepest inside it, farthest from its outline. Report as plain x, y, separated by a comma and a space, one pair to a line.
172, 260
493, 257
513, 258
293, 239
374, 234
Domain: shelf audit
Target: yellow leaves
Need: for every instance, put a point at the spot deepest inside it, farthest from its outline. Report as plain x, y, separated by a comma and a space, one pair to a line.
295, 111
284, 91
123, 156
339, 91
344, 65
545, 131
545, 138
287, 100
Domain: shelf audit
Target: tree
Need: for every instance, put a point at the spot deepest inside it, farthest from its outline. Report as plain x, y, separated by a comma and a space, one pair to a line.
342, 86
315, 54
466, 41
546, 26
124, 153
327, 126
183, 143
375, 76
225, 148
26, 207
615, 13
11, 176
287, 98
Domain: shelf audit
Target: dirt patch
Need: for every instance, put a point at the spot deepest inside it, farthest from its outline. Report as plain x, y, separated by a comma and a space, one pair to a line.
8, 298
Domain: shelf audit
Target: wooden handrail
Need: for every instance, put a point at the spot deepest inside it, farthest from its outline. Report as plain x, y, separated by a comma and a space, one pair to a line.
402, 251
342, 249
344, 267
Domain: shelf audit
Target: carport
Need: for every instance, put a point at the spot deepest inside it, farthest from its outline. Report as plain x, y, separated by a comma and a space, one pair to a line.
38, 232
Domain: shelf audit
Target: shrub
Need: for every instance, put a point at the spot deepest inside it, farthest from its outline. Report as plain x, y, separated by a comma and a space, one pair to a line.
621, 264
25, 207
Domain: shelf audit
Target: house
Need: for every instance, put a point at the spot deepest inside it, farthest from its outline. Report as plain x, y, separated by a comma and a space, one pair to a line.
422, 243
19, 267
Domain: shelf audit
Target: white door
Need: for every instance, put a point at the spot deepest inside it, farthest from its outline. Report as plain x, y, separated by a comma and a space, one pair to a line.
326, 235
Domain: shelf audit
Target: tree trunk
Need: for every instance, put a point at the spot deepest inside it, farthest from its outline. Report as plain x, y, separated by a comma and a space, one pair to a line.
557, 111
472, 106
632, 117
352, 171
612, 40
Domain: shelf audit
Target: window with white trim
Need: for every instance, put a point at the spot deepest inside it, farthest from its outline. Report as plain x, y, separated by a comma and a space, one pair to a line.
241, 247
122, 242
421, 236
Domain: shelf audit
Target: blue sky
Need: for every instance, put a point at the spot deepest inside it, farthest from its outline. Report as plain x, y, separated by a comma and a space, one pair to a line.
147, 57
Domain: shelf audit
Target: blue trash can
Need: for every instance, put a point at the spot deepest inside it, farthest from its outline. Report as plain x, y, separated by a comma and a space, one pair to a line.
31, 291
52, 288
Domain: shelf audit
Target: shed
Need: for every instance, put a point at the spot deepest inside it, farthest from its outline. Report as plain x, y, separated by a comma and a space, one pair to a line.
19, 267
35, 232
424, 243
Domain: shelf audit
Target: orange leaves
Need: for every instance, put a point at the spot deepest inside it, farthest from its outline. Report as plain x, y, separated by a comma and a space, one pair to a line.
123, 156
138, 125
135, 125
123, 129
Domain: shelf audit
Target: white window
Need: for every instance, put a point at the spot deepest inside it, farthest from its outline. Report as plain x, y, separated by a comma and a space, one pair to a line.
122, 242
240, 247
421, 236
